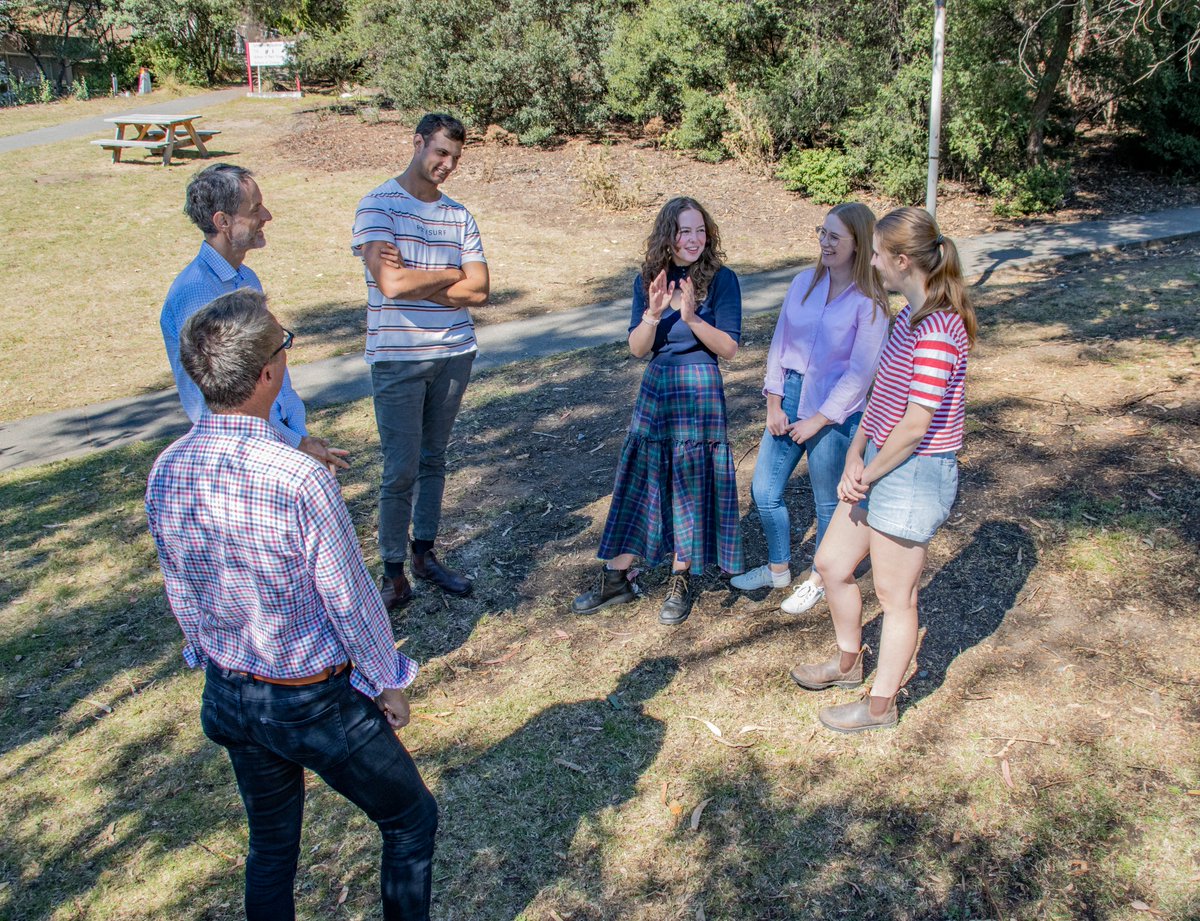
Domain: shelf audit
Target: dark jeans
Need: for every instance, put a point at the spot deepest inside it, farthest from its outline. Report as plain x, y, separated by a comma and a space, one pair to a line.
272, 733
416, 403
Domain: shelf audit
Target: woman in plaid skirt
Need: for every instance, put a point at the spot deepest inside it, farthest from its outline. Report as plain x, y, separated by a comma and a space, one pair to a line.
675, 495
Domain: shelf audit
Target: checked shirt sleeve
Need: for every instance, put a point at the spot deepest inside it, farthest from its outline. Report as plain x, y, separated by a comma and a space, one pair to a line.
352, 602
179, 596
935, 357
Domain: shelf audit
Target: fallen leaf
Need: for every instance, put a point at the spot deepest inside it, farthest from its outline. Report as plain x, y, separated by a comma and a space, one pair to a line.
957, 837
712, 727
555, 915
753, 728
110, 832
1193, 793
676, 808
431, 718
570, 765
562, 634
1079, 867
699, 811
1006, 772
504, 658
700, 913
1139, 905
344, 894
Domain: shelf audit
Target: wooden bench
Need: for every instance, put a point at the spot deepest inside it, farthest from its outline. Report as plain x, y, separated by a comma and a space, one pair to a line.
156, 134
205, 134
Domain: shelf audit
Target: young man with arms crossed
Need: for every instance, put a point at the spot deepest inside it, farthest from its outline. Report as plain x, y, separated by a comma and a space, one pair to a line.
424, 268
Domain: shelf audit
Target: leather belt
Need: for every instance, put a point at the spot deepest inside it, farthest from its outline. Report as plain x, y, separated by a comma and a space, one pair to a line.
324, 675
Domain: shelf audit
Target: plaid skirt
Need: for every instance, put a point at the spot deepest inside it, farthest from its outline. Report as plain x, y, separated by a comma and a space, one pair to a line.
675, 490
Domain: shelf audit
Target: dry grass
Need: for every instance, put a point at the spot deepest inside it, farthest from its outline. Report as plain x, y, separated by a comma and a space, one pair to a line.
1045, 766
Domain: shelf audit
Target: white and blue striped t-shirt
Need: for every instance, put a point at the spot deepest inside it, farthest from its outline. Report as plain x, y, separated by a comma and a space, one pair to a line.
431, 236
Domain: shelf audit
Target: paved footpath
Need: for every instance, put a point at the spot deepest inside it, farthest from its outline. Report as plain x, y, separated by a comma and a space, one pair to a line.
74, 432
97, 125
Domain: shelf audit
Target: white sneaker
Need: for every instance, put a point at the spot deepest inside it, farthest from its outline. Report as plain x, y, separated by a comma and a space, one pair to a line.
761, 577
803, 598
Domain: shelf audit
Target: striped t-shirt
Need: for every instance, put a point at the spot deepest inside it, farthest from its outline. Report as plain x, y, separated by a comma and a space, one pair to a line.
431, 236
926, 365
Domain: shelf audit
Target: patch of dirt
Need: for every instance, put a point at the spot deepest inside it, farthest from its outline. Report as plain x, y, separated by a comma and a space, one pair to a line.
565, 226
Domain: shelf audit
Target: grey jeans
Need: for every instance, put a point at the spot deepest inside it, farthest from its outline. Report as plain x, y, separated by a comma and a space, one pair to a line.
416, 403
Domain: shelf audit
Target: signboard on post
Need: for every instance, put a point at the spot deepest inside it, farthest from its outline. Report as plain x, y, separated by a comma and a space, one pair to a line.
268, 54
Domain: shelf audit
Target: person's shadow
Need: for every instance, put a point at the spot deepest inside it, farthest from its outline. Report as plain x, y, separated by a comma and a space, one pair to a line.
965, 601
514, 811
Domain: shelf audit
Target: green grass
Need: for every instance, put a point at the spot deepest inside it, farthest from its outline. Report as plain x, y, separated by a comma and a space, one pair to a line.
568, 754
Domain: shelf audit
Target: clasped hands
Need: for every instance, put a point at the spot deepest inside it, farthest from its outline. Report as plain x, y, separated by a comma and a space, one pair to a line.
799, 431
663, 294
853, 486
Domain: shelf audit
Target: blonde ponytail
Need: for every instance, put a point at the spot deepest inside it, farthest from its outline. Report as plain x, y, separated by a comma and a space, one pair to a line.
913, 233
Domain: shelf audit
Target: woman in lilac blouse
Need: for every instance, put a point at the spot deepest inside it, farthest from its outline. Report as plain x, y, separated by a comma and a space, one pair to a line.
827, 342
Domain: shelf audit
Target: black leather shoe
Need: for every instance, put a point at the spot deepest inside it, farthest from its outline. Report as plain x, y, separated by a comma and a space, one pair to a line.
425, 566
614, 587
396, 593
676, 606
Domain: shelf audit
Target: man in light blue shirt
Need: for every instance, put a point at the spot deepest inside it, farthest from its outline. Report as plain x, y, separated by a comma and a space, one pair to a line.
224, 201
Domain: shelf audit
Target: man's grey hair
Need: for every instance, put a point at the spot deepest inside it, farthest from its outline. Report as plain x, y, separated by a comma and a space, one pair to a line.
225, 345
219, 187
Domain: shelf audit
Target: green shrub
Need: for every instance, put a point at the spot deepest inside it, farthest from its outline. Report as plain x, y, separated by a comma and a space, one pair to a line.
1032, 191
80, 90
825, 175
702, 125
537, 136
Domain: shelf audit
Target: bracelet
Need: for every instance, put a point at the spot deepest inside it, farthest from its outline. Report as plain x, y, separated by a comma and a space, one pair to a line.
648, 320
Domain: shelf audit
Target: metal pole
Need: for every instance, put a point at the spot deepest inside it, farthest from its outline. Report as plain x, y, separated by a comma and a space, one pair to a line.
935, 105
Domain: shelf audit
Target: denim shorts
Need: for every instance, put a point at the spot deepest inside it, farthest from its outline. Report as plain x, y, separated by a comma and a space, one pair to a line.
912, 501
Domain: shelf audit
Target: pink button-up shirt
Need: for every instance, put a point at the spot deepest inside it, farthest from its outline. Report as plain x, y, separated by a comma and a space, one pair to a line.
836, 346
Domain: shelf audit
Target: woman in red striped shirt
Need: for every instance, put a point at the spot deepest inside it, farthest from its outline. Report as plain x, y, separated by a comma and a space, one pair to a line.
901, 474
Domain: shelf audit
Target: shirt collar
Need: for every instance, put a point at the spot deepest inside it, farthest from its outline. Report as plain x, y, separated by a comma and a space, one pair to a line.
237, 424
218, 264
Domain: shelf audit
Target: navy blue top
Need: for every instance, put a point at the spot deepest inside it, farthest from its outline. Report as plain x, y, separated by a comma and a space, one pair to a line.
674, 341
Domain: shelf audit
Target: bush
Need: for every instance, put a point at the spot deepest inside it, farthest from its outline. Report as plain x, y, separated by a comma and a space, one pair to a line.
701, 127
531, 66
1032, 191
825, 175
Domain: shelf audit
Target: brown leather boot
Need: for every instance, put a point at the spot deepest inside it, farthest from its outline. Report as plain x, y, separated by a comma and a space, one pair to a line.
396, 593
828, 674
856, 716
425, 566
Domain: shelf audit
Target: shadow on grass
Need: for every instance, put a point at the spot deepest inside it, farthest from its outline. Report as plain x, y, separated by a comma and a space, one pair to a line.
560, 769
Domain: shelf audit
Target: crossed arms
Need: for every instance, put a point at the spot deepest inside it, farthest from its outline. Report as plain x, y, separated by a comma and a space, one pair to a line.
465, 287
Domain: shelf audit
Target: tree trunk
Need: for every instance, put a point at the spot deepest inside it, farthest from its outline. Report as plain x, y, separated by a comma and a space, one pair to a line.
1064, 28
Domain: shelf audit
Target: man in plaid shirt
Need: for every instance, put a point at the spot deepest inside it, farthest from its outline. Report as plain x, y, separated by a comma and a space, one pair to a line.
263, 571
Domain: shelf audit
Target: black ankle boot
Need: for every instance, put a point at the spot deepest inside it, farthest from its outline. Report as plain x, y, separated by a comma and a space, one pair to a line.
613, 588
676, 606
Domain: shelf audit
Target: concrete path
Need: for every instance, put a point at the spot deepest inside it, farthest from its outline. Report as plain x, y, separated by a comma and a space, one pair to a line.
97, 125
74, 432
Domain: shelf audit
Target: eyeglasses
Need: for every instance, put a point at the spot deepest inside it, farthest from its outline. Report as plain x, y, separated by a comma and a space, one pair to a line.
824, 235
288, 336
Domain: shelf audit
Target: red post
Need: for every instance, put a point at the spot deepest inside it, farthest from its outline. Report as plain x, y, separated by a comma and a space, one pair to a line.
249, 73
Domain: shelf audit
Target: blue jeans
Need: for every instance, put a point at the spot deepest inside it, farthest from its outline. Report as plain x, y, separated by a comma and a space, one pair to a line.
416, 403
272, 733
778, 456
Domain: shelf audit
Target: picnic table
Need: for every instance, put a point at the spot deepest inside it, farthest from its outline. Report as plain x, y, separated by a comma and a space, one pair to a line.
157, 134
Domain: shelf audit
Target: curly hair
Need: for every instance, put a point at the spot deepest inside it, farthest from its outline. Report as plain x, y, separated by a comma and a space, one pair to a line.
660, 246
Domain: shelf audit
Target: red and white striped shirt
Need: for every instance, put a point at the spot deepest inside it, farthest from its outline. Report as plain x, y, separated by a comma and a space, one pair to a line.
926, 365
